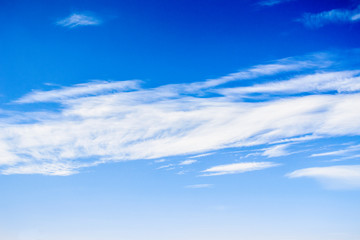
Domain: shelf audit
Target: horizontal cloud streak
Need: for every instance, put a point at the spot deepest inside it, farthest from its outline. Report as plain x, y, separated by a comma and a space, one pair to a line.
318, 61
188, 162
237, 168
344, 81
78, 90
101, 122
316, 20
77, 19
350, 149
276, 151
334, 177
269, 3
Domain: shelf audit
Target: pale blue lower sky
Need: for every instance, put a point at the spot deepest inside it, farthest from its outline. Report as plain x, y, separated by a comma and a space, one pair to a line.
134, 200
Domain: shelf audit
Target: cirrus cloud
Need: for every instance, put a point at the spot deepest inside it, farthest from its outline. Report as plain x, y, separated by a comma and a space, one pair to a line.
100, 122
316, 20
237, 168
333, 177
78, 19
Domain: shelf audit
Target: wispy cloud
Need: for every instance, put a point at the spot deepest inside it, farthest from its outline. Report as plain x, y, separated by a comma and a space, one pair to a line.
339, 81
160, 161
199, 186
182, 172
276, 151
334, 177
188, 162
237, 168
101, 122
316, 20
351, 149
281, 66
45, 168
166, 166
269, 3
84, 89
201, 155
78, 19
331, 153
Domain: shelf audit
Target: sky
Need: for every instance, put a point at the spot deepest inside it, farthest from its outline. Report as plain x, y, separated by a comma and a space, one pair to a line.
197, 120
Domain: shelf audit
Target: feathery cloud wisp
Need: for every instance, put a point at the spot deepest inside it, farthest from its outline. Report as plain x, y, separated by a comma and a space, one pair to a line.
79, 90
351, 149
77, 19
269, 3
118, 121
316, 20
340, 81
237, 168
188, 162
334, 177
276, 151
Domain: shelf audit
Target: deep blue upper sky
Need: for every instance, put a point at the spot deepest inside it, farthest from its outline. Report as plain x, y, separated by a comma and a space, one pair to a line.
156, 41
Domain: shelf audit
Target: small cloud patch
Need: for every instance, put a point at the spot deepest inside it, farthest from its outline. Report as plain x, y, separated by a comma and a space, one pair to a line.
317, 20
334, 177
238, 168
77, 19
188, 162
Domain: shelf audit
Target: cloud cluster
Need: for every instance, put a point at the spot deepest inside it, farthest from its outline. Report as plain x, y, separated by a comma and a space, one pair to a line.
100, 122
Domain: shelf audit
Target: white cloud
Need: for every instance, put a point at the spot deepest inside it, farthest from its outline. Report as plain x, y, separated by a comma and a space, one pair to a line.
269, 3
237, 168
188, 162
118, 127
350, 149
297, 139
316, 20
338, 152
77, 19
160, 161
334, 177
276, 151
91, 88
168, 166
199, 186
201, 155
343, 81
351, 156
101, 122
285, 65
182, 172
55, 169
355, 17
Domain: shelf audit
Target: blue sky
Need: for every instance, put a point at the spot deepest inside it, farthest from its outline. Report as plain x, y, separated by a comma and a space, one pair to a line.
180, 120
